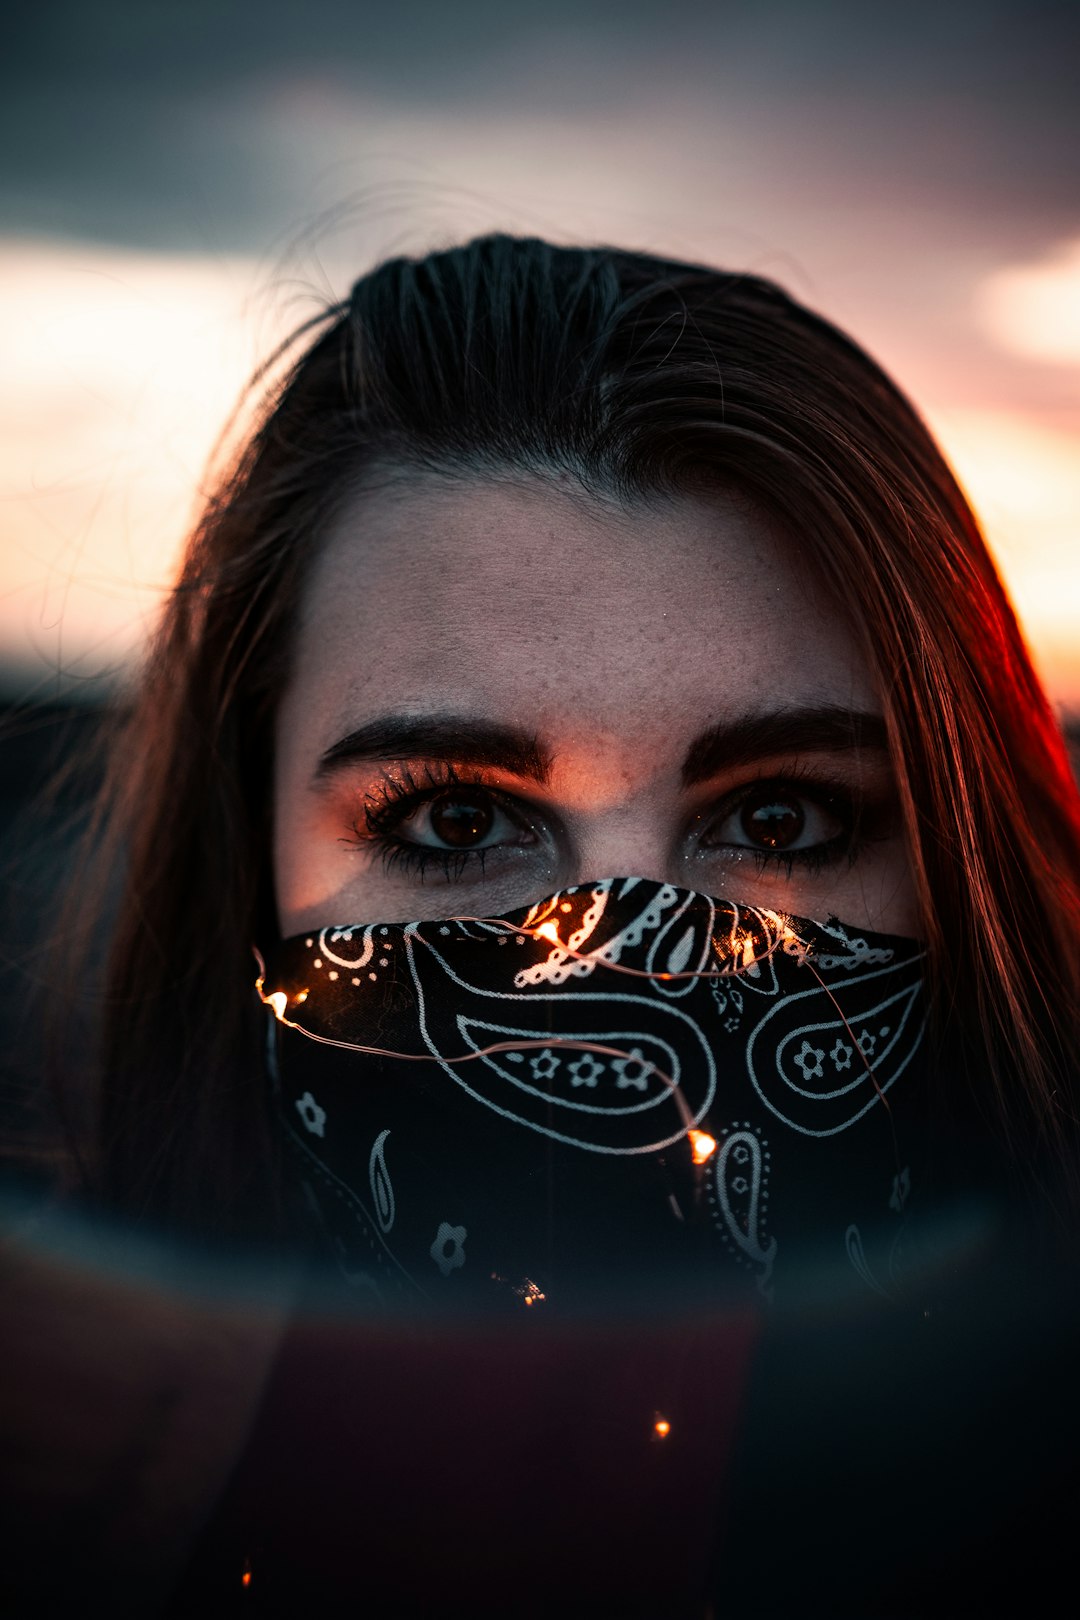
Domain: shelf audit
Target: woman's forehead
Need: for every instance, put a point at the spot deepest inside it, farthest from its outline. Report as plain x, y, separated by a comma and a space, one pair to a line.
526, 604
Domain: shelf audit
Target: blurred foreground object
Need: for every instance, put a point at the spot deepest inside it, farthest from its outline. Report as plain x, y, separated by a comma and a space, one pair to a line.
190, 1437
125, 1395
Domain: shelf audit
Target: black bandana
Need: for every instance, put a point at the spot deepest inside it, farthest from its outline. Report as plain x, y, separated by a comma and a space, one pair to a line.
626, 1084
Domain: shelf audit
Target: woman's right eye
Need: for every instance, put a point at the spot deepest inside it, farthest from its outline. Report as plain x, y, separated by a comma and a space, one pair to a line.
458, 818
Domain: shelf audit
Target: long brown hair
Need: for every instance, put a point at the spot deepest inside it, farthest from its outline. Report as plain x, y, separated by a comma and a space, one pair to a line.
635, 375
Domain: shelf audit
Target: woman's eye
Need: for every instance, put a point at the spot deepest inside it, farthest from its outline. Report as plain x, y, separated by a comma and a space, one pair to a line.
778, 820
460, 818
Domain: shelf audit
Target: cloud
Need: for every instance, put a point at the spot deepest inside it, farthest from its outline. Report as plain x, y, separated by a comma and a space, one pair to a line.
120, 370
146, 124
883, 163
1033, 310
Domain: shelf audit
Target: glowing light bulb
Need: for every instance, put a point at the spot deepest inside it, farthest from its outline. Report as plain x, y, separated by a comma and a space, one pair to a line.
549, 931
702, 1145
661, 1428
279, 1001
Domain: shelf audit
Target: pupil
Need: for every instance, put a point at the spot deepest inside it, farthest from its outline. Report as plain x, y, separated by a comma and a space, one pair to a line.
772, 820
461, 818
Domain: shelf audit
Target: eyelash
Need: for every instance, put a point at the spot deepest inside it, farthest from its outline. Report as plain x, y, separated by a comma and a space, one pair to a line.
839, 800
396, 797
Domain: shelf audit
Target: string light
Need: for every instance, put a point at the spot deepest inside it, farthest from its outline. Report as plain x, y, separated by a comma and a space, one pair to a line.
743, 946
702, 1145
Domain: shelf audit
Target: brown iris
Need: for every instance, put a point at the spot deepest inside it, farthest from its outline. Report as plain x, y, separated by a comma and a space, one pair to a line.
460, 817
771, 819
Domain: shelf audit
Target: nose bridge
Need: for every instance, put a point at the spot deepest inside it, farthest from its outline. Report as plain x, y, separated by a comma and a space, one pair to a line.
620, 803
631, 839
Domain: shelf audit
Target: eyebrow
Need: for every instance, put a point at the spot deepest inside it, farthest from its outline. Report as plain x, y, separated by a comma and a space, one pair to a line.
828, 728
452, 737
464, 739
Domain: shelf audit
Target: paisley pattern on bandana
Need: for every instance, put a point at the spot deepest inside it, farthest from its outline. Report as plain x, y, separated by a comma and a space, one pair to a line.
624, 1082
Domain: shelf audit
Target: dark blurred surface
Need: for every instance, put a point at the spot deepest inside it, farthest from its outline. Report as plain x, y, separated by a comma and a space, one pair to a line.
188, 1436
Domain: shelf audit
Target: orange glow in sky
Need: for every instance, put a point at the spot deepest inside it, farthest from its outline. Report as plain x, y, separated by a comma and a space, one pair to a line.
121, 369
1034, 309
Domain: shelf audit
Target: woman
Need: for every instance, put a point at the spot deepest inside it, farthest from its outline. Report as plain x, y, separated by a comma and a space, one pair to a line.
536, 478
569, 590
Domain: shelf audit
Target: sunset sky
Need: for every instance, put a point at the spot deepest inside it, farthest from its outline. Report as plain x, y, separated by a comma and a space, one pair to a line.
181, 182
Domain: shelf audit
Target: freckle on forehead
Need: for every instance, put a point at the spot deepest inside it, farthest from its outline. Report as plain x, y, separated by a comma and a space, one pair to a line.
517, 601
614, 637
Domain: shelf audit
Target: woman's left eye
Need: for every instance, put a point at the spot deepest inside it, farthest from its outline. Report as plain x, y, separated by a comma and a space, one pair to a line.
779, 820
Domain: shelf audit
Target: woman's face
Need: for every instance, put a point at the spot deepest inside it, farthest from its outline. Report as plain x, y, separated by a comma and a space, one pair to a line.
500, 691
